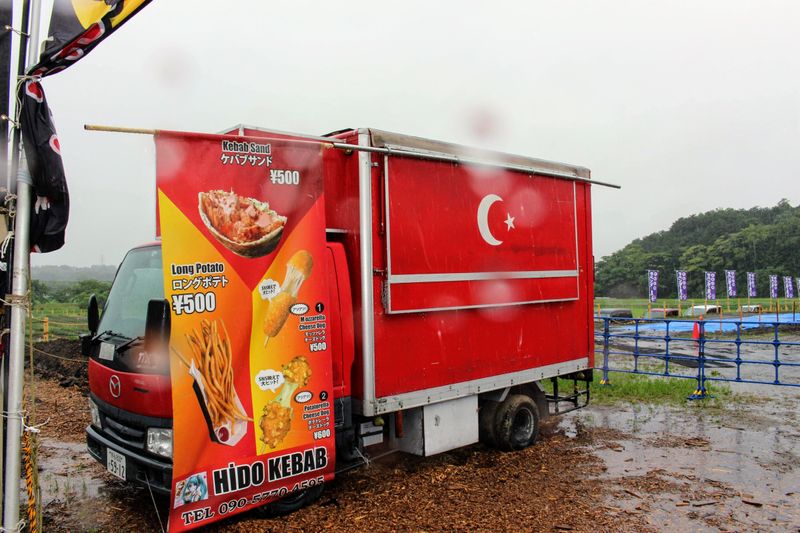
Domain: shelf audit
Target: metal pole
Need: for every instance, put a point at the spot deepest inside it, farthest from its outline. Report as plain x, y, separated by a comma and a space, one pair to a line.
432, 156
20, 280
10, 183
17, 353
605, 380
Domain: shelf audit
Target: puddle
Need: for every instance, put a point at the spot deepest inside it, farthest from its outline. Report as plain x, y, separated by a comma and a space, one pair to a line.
77, 494
713, 470
67, 472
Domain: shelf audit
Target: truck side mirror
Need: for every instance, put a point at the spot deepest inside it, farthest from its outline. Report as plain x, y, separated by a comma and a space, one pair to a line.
157, 324
93, 315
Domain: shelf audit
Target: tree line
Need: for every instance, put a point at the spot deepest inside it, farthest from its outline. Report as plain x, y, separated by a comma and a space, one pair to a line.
74, 293
764, 240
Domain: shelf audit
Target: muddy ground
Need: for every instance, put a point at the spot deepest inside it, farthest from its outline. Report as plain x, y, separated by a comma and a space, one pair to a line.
620, 468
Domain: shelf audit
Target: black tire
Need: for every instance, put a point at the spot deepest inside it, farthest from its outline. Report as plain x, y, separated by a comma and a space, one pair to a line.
516, 423
487, 423
291, 503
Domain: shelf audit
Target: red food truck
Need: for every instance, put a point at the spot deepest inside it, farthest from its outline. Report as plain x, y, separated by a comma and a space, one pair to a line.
456, 283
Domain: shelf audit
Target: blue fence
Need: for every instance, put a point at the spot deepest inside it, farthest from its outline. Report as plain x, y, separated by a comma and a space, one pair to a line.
749, 350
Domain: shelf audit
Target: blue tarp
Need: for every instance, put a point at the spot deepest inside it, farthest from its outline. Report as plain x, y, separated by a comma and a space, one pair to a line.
711, 325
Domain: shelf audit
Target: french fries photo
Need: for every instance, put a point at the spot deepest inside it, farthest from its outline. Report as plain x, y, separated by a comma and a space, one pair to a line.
298, 269
276, 419
211, 367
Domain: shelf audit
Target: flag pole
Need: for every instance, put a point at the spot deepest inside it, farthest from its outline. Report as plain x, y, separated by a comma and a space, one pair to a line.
20, 302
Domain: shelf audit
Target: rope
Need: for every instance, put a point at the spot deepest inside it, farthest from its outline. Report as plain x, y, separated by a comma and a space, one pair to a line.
57, 356
9, 235
29, 437
11, 211
4, 210
18, 300
30, 482
153, 499
79, 324
20, 81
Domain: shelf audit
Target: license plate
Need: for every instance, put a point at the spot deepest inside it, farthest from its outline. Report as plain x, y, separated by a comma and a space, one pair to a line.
115, 463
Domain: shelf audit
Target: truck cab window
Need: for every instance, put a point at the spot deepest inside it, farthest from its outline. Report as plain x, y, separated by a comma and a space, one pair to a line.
138, 281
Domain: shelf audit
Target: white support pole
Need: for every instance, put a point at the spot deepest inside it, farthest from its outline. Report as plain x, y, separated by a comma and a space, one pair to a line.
20, 282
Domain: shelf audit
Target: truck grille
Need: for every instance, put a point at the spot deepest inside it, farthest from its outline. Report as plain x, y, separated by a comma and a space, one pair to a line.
126, 432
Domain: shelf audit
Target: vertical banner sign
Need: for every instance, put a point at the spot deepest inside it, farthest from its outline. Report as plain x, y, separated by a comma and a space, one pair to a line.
243, 237
730, 283
683, 293
788, 286
751, 284
652, 284
711, 285
773, 286
798, 286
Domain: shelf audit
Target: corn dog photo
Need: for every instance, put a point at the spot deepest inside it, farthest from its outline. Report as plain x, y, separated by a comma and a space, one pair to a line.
298, 269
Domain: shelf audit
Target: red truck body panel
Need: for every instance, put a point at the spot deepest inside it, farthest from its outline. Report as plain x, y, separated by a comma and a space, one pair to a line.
341, 338
482, 275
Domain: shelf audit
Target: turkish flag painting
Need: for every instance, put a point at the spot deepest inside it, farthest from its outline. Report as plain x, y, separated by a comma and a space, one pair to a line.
461, 236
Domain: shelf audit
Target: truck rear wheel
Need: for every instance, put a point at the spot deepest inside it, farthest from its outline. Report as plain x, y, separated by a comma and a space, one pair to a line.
291, 503
516, 423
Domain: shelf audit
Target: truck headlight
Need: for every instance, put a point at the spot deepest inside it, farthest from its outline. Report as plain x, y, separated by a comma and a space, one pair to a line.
159, 441
95, 411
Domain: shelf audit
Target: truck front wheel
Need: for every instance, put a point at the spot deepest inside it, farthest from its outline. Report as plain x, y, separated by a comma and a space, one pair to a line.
291, 503
516, 423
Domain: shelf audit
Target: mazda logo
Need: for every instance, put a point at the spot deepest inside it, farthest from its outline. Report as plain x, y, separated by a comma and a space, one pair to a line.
115, 386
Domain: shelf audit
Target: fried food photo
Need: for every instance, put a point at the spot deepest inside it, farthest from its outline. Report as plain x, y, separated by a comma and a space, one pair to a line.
298, 269
245, 226
276, 419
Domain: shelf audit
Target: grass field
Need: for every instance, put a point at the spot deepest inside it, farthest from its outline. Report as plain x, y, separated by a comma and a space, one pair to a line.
61, 320
636, 388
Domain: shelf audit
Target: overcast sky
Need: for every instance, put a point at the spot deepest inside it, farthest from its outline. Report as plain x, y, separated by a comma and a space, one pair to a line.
688, 105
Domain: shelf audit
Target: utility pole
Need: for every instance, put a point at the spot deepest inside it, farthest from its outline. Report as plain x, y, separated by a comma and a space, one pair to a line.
20, 300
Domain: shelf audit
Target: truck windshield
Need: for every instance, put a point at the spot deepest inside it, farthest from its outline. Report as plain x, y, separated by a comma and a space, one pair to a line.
139, 280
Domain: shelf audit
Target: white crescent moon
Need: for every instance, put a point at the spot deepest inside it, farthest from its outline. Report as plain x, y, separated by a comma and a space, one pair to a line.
483, 218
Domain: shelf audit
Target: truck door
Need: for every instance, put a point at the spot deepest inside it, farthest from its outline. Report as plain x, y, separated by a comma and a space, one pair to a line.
340, 316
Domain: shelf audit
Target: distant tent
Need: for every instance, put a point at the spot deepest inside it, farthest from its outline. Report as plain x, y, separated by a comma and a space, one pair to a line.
698, 310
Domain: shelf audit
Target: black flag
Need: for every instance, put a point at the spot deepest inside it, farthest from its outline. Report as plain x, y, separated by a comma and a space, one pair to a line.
50, 198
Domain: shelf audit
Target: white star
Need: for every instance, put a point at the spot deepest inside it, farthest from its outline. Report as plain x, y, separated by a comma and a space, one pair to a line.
510, 222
